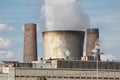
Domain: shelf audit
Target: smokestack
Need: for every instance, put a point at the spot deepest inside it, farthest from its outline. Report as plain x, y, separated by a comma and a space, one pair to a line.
92, 37
30, 43
63, 44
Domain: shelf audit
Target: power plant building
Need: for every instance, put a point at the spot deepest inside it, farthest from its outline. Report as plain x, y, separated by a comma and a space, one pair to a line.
64, 70
30, 43
66, 29
63, 44
63, 50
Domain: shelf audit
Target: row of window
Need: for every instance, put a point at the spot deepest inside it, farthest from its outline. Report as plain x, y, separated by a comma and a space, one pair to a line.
66, 77
86, 65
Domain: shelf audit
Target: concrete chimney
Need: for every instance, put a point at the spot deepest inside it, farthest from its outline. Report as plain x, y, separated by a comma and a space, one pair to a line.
30, 43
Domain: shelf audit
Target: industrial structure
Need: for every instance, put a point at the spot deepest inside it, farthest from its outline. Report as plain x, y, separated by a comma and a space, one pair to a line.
62, 60
30, 43
63, 44
62, 70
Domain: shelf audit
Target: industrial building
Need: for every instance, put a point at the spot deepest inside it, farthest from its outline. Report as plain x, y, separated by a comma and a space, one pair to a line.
63, 70
63, 58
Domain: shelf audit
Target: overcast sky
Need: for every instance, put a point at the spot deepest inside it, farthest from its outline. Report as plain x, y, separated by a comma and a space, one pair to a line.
103, 14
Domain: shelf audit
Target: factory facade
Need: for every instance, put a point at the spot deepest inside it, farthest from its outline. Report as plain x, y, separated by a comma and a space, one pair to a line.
65, 74
70, 70
59, 70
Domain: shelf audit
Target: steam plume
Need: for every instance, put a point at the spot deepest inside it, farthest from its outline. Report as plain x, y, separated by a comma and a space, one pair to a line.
64, 15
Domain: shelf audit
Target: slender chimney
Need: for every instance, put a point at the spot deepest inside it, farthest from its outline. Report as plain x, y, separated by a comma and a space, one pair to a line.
30, 43
92, 37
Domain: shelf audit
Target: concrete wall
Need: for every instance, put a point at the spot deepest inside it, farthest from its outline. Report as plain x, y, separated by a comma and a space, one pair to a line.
8, 76
1, 65
11, 75
38, 65
66, 74
63, 44
4, 77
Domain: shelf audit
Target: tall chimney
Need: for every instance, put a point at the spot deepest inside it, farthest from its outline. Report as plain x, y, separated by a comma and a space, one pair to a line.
30, 43
92, 37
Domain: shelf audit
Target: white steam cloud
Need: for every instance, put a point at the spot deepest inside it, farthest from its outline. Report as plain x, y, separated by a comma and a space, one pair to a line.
64, 15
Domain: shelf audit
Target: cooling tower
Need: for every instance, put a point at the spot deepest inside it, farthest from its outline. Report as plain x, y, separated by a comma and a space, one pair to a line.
92, 37
63, 44
30, 43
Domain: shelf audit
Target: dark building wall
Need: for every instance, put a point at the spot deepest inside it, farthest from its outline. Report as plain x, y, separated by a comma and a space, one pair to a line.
25, 65
30, 43
87, 64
